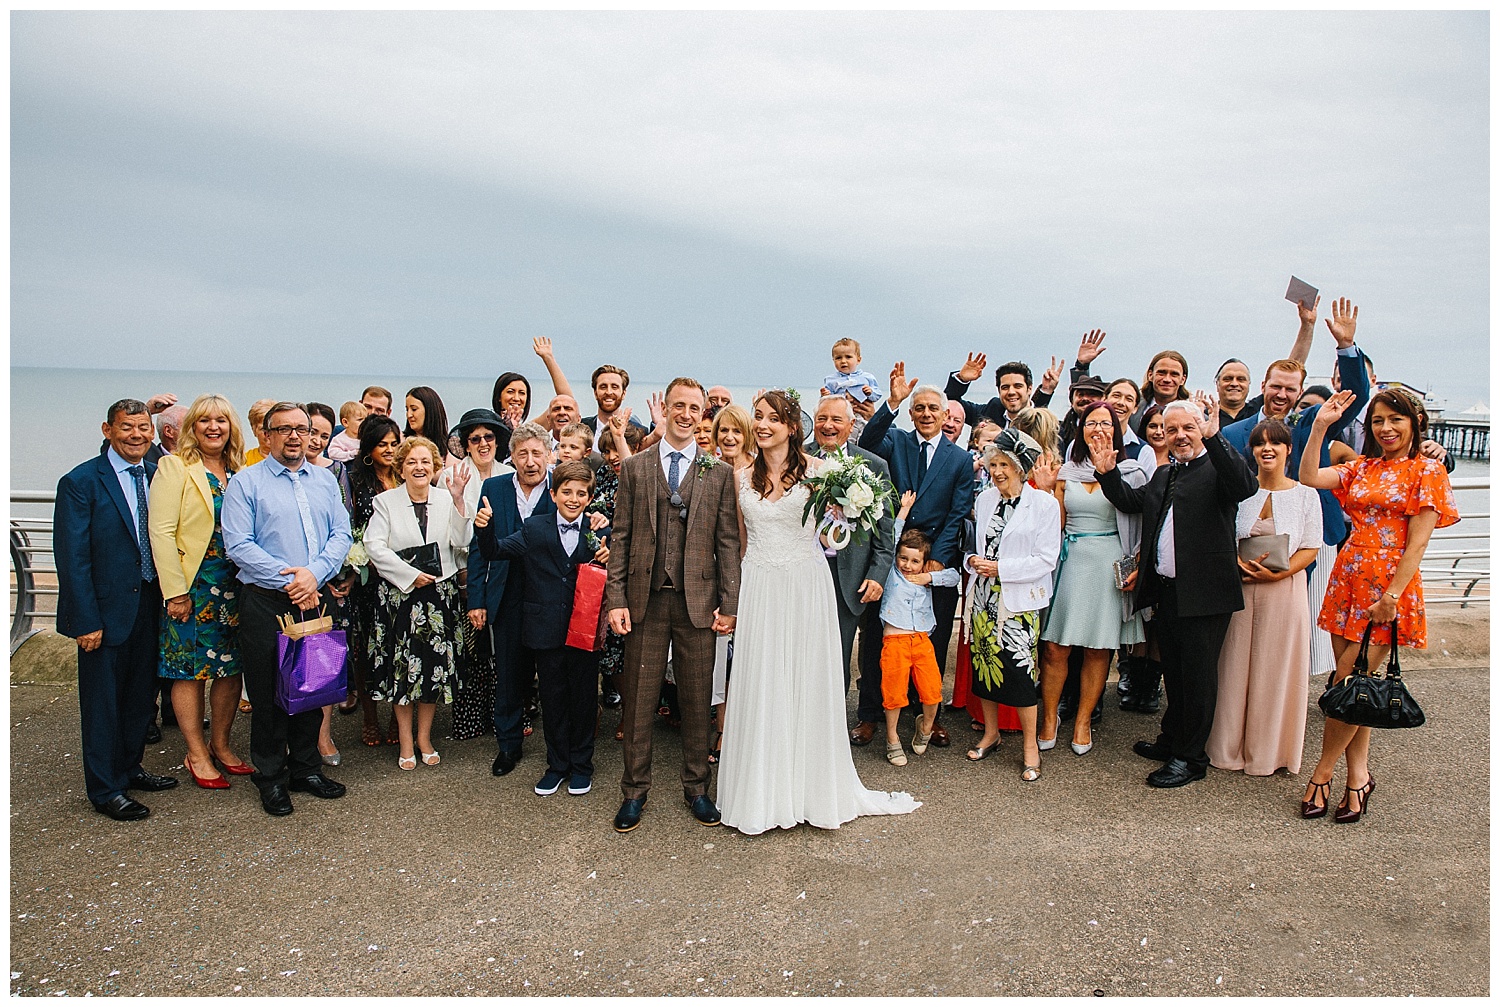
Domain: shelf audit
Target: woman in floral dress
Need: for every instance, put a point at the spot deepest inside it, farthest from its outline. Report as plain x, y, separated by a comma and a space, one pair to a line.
1395, 498
373, 473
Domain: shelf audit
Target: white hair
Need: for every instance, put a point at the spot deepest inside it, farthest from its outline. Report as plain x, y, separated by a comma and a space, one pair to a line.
170, 417
931, 390
848, 407
1182, 405
530, 432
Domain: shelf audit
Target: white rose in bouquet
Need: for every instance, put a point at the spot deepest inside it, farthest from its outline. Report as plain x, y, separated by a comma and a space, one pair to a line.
357, 555
860, 497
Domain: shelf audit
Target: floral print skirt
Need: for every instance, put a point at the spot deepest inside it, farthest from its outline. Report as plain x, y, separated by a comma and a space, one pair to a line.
415, 643
1003, 648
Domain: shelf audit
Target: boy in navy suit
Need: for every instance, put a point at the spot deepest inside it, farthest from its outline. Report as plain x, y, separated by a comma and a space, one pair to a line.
551, 547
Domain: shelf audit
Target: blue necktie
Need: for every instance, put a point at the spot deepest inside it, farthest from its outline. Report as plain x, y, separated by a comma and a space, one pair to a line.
673, 476
142, 533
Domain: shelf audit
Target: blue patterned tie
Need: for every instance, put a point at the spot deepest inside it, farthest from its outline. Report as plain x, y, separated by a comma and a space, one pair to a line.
142, 533
673, 476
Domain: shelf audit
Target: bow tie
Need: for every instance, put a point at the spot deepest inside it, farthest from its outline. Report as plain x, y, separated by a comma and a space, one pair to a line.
570, 527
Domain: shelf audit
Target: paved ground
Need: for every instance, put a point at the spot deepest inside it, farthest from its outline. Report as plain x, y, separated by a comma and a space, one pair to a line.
447, 881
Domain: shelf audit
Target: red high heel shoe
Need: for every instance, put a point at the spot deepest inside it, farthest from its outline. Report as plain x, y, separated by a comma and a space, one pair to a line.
214, 783
239, 769
1346, 817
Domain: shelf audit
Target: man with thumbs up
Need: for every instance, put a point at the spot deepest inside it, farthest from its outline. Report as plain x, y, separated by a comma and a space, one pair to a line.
495, 586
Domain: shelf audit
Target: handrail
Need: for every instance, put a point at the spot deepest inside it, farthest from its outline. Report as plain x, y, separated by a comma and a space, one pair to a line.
1438, 566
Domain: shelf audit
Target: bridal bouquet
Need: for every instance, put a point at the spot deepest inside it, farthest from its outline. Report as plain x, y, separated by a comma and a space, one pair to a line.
851, 496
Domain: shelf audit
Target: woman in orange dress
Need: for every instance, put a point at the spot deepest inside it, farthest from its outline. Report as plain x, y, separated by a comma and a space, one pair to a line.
1395, 498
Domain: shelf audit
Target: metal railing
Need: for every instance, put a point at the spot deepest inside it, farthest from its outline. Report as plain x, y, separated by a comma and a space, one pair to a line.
1450, 575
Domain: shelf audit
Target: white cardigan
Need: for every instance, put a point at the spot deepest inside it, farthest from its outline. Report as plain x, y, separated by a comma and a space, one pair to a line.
1297, 513
1029, 547
393, 525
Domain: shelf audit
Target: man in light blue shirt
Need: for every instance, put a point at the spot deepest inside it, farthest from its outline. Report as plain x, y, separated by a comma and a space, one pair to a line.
286, 529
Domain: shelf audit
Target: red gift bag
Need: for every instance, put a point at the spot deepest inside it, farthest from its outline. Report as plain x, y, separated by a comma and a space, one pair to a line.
586, 627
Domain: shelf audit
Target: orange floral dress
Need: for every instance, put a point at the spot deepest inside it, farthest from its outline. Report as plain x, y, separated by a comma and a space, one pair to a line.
1380, 496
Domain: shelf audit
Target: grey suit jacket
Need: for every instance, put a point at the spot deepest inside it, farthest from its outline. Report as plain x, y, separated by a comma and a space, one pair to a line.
872, 558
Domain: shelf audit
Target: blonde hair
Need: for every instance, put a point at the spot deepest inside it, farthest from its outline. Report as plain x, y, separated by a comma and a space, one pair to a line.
1041, 425
846, 341
258, 410
187, 436
409, 445
740, 417
351, 412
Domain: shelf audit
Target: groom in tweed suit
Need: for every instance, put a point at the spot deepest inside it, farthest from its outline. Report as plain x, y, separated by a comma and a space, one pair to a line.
674, 578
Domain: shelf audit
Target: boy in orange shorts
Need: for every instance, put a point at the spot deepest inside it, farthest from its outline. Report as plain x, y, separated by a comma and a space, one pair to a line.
906, 653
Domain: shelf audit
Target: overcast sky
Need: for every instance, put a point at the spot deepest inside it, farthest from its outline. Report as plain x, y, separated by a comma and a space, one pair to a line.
725, 194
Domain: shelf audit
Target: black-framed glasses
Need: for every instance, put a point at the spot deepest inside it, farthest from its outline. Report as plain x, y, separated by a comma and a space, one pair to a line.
287, 431
676, 501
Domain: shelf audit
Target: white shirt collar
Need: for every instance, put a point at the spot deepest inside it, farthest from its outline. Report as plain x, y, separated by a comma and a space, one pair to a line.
933, 440
563, 522
118, 462
688, 453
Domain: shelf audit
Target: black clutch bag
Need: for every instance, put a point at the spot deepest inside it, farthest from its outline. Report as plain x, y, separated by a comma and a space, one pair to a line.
1366, 701
424, 557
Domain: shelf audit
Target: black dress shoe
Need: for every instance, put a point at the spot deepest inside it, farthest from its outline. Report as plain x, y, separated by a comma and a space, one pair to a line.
1175, 773
123, 809
153, 733
1151, 750
276, 800
629, 815
504, 763
150, 781
704, 810
319, 786
611, 699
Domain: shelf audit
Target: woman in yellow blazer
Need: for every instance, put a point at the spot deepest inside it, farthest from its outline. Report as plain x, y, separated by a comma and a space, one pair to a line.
200, 636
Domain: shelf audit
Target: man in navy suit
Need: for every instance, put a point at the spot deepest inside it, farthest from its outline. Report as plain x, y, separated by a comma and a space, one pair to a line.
109, 601
551, 547
942, 476
495, 585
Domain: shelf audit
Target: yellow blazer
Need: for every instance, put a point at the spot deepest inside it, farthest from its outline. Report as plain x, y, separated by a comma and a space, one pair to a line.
180, 518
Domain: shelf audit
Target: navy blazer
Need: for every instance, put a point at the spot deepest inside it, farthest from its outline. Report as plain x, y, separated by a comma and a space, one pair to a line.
487, 576
551, 576
946, 493
1353, 377
98, 557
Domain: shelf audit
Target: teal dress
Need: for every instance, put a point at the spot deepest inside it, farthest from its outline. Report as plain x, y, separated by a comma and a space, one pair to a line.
1087, 609
208, 644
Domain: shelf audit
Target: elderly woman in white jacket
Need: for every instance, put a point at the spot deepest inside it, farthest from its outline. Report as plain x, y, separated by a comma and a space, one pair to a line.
413, 536
1018, 534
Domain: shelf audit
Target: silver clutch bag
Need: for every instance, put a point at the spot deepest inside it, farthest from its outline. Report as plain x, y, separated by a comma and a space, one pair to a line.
1277, 549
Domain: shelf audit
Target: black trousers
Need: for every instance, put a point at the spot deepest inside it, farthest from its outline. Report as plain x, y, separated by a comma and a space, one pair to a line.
568, 681
117, 700
1190, 669
515, 667
282, 746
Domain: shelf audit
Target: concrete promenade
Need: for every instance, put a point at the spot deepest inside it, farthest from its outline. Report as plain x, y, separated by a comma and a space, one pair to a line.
448, 881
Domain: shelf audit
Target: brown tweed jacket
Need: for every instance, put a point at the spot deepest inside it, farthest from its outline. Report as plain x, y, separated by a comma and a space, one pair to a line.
711, 553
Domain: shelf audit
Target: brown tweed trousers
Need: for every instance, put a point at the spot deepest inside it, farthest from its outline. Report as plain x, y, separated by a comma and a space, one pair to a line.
650, 539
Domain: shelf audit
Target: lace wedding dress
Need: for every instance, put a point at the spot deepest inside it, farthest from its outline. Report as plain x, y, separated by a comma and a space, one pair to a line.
786, 756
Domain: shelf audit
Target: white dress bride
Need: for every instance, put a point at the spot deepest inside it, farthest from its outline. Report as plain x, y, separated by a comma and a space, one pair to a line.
786, 756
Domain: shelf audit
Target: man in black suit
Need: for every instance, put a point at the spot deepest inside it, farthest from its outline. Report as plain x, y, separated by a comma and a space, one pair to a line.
495, 585
1188, 570
551, 547
942, 476
109, 601
859, 569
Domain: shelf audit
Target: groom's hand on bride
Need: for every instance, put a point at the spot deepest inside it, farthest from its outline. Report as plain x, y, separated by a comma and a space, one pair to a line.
619, 621
870, 591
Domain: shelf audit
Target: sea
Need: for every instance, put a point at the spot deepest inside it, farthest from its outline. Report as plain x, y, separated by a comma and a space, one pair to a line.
56, 414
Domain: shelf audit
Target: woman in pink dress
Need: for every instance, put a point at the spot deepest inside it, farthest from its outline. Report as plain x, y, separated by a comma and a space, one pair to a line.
1262, 706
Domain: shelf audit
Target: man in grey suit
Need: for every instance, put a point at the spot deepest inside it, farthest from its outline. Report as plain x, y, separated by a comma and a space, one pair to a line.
859, 570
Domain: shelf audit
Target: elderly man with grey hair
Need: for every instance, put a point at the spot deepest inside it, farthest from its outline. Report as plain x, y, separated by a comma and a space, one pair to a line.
1188, 570
941, 474
495, 586
859, 569
169, 425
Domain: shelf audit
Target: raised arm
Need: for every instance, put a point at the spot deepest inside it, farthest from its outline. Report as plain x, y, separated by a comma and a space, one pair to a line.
958, 385
1308, 472
542, 347
1307, 321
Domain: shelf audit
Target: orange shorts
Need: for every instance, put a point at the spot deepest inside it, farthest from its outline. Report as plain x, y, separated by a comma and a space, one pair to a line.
906, 657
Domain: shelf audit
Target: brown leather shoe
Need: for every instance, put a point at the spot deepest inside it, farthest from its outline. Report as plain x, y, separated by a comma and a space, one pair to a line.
940, 736
863, 732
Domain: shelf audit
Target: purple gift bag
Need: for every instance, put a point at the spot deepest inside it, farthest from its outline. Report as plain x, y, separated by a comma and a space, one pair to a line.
311, 667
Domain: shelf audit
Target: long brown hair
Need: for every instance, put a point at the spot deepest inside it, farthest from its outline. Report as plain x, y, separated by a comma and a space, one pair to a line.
789, 413
1402, 404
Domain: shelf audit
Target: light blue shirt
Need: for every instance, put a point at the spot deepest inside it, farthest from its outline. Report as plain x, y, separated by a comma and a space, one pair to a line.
263, 531
127, 486
908, 606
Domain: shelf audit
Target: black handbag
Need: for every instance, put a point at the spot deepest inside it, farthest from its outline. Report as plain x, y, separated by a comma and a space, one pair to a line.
424, 557
1363, 700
